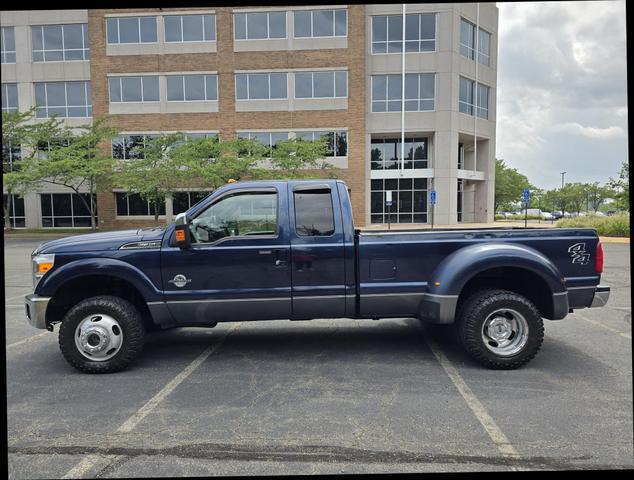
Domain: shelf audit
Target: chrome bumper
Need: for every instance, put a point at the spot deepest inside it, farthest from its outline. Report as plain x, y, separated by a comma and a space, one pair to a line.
601, 296
36, 310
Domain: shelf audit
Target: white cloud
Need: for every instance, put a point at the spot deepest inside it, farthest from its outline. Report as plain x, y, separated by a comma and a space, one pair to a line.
590, 132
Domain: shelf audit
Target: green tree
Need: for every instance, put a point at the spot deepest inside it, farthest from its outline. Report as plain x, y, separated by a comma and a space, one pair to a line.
299, 158
74, 159
509, 185
20, 140
621, 187
574, 195
596, 195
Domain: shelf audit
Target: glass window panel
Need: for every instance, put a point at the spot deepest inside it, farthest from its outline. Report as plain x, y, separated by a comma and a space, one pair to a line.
194, 87
379, 29
61, 204
301, 23
118, 150
211, 87
257, 25
341, 84
412, 46
112, 27
428, 26
412, 24
376, 202
128, 30
36, 39
395, 28
122, 204
79, 209
210, 27
76, 112
56, 94
376, 156
131, 89
240, 25
341, 20
115, 89
411, 86
376, 184
342, 144
150, 89
303, 85
73, 36
379, 47
148, 29
53, 37
38, 56
74, 54
427, 85
258, 86
173, 31
76, 93
391, 184
323, 83
53, 55
161, 208
137, 206
394, 87
379, 106
411, 105
45, 203
241, 87
314, 215
277, 25
379, 87
278, 85
323, 23
394, 47
405, 184
180, 202
175, 88
192, 28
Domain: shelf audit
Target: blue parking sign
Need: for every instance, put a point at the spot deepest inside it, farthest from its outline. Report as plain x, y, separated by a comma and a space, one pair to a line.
527, 195
432, 197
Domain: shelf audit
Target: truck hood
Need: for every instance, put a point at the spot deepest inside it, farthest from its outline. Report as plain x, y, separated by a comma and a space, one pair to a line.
93, 242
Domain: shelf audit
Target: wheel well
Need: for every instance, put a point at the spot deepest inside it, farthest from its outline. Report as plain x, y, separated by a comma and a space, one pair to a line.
78, 289
514, 279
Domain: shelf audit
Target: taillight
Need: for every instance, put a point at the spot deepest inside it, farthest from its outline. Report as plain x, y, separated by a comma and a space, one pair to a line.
598, 263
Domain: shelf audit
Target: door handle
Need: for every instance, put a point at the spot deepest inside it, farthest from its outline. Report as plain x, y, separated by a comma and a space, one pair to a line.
265, 252
279, 262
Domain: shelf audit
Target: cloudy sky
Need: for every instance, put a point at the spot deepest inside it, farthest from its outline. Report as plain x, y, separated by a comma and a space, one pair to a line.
562, 96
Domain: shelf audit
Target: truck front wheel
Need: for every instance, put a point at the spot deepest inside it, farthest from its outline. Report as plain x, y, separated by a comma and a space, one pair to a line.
500, 329
101, 334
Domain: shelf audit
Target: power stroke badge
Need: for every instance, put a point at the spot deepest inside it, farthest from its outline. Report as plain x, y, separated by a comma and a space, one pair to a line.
578, 254
180, 280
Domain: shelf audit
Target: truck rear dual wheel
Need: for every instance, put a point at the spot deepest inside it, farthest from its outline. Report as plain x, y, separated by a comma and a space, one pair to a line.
102, 334
500, 329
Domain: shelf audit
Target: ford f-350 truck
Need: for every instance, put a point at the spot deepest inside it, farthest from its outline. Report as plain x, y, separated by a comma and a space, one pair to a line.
268, 250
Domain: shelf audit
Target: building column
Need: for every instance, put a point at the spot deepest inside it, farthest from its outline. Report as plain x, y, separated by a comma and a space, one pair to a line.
32, 211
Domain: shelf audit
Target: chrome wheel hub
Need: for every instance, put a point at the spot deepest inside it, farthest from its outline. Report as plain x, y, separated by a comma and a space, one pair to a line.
505, 332
98, 337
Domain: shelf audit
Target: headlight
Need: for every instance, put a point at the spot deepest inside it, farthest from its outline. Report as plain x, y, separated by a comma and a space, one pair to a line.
42, 263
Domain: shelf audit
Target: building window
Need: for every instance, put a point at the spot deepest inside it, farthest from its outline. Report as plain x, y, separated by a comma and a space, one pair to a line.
321, 84
127, 146
17, 219
420, 33
56, 43
259, 25
66, 209
134, 89
268, 139
337, 141
132, 204
44, 146
261, 86
11, 154
459, 200
190, 28
420, 91
9, 97
468, 41
190, 88
386, 153
183, 201
64, 99
468, 92
409, 200
320, 23
132, 30
7, 45
460, 155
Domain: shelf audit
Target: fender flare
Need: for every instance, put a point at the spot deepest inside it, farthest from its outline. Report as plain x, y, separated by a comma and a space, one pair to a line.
51, 282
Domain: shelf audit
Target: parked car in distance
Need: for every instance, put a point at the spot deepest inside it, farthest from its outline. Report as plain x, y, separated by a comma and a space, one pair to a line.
547, 216
289, 250
557, 214
609, 213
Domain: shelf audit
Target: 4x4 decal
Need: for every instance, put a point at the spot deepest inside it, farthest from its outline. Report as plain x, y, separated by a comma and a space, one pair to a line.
578, 254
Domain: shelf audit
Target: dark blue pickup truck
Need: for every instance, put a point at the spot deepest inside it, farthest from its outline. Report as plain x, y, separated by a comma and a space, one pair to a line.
288, 250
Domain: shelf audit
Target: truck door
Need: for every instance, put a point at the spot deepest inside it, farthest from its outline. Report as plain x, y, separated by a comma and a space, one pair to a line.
317, 251
238, 265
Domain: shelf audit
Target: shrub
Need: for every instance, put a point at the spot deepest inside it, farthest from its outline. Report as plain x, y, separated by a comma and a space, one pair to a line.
614, 226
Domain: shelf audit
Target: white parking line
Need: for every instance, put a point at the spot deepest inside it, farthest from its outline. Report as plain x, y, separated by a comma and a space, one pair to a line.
495, 433
599, 324
88, 463
26, 340
16, 297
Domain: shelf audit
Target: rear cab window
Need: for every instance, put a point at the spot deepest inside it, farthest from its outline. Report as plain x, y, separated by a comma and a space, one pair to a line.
314, 215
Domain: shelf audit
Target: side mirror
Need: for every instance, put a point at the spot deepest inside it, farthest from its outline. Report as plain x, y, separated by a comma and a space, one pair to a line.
181, 236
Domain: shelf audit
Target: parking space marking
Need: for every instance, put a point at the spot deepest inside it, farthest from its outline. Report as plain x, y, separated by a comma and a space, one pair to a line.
26, 340
599, 324
16, 297
88, 463
495, 433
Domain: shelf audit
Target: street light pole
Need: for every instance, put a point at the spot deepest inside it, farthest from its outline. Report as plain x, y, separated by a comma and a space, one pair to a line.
562, 179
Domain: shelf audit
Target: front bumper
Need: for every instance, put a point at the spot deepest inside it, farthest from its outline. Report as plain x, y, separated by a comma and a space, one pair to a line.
601, 296
36, 310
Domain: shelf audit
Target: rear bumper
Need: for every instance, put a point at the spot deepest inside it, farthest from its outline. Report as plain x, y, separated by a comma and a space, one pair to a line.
601, 296
36, 310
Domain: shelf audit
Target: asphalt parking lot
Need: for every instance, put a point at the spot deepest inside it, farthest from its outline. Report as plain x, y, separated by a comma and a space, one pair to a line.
327, 396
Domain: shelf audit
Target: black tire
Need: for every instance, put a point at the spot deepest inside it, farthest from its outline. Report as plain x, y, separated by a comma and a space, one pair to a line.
474, 311
124, 313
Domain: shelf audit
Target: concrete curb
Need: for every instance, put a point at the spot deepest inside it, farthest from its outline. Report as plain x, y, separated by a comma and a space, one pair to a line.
614, 239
